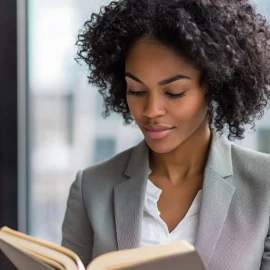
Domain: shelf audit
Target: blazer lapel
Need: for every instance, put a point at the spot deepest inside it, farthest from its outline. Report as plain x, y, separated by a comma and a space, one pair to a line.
129, 199
218, 190
217, 193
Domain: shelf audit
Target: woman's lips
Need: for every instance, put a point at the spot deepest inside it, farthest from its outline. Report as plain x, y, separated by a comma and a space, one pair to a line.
157, 132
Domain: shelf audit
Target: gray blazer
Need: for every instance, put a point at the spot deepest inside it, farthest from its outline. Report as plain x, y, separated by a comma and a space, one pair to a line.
105, 207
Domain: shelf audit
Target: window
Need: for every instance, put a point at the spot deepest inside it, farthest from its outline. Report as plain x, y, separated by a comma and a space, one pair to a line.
104, 148
264, 140
66, 128
67, 133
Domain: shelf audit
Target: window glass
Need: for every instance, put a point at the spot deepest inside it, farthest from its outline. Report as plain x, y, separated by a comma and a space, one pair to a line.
66, 130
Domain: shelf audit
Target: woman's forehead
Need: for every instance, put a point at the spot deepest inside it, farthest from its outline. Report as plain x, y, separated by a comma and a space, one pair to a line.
146, 58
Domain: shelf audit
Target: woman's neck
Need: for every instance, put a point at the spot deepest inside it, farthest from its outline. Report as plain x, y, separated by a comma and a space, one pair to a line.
186, 161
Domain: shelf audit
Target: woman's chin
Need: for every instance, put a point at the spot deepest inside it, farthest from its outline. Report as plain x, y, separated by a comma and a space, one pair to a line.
160, 146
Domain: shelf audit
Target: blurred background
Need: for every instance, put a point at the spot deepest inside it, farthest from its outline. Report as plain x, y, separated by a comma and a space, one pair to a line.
52, 118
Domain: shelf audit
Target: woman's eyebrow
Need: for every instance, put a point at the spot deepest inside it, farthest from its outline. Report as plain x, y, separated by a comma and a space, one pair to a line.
163, 82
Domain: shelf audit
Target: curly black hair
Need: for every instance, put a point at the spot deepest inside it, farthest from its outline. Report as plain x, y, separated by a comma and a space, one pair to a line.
227, 40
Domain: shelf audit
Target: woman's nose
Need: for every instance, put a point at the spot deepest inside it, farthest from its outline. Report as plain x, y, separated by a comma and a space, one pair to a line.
154, 107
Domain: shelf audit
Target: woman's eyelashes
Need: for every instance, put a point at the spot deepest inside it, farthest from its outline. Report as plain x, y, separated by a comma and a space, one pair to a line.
135, 93
166, 93
174, 96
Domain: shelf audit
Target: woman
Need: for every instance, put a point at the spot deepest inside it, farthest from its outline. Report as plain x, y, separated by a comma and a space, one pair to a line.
185, 71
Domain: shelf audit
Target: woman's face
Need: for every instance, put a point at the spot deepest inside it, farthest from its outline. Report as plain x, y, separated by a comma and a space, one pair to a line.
164, 95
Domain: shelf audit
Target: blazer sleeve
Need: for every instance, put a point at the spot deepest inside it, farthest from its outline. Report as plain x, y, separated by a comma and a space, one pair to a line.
77, 233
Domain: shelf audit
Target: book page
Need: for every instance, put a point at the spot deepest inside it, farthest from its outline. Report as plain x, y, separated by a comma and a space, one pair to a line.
187, 261
40, 252
21, 260
44, 243
117, 259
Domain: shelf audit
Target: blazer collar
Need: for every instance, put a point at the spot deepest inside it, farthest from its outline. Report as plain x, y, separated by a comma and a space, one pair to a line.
129, 198
217, 193
218, 189
219, 157
138, 159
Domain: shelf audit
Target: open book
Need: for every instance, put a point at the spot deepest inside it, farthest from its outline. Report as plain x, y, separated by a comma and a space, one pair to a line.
29, 253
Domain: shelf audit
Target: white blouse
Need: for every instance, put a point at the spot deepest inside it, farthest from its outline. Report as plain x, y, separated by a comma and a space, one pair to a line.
155, 230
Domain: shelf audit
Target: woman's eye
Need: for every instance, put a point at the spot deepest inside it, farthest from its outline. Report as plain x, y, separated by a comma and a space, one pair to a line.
135, 93
170, 95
